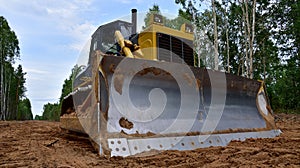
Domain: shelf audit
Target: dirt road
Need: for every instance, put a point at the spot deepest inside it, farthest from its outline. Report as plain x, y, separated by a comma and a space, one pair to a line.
43, 144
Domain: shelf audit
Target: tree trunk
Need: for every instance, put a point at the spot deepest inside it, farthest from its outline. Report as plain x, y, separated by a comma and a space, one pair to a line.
199, 59
17, 99
197, 35
227, 43
216, 54
8, 99
250, 35
252, 40
1, 88
4, 94
264, 62
246, 36
1, 83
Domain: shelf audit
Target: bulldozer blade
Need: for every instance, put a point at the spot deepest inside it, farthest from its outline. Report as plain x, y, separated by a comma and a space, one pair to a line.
145, 105
163, 105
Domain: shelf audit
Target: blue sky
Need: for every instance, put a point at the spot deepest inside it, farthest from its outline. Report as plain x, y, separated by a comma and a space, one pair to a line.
52, 33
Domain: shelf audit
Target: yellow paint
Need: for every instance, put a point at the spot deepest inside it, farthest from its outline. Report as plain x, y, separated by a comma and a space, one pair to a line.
120, 40
148, 40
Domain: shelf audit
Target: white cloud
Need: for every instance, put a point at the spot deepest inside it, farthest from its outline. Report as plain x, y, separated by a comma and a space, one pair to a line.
129, 1
124, 1
81, 33
22, 7
68, 17
35, 71
65, 17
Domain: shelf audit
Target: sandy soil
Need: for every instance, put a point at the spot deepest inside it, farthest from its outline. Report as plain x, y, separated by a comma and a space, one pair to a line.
44, 144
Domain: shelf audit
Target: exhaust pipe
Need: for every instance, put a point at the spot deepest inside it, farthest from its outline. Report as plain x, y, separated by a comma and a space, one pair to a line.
134, 20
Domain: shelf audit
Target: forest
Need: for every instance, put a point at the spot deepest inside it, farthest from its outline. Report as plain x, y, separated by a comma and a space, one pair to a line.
257, 39
14, 105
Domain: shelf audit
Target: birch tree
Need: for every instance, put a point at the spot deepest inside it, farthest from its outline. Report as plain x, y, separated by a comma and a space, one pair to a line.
12, 82
216, 52
249, 26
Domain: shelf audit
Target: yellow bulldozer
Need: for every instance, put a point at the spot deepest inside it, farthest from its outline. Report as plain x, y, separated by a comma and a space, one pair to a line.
140, 92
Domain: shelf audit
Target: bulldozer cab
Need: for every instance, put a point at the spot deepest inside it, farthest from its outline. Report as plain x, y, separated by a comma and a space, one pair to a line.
104, 39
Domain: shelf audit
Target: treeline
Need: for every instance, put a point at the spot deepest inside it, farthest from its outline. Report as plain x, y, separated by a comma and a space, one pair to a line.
252, 38
51, 111
13, 103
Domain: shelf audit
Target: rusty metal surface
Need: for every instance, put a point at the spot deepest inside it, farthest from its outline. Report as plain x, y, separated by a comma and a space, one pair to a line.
71, 123
240, 109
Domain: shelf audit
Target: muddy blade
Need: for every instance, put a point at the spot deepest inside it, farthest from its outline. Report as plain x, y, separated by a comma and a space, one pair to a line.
159, 105
69, 120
